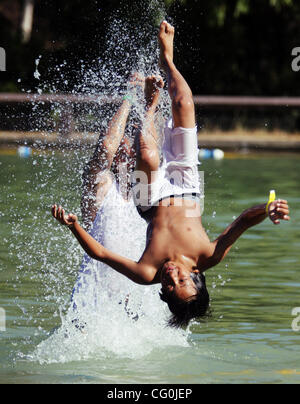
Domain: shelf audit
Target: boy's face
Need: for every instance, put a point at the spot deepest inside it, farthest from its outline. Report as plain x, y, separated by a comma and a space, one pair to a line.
176, 279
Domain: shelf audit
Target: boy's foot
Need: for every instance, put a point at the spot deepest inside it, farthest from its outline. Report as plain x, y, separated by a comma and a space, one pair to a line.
153, 84
166, 41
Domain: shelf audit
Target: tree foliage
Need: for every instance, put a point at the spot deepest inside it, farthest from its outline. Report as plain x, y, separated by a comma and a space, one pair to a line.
222, 46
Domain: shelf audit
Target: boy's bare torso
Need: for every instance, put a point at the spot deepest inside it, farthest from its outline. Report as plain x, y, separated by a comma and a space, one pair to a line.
174, 236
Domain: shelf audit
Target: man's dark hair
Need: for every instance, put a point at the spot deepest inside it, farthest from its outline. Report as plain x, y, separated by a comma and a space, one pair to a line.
184, 311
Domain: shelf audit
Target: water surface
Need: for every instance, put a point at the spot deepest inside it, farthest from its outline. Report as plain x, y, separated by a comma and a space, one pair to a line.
249, 337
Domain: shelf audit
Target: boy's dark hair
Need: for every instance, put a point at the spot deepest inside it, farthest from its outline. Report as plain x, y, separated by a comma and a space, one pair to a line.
184, 311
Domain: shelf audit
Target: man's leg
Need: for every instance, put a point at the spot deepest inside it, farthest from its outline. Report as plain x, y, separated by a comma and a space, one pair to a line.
183, 108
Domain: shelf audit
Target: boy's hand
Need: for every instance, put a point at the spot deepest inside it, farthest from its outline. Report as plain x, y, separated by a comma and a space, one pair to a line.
279, 210
59, 214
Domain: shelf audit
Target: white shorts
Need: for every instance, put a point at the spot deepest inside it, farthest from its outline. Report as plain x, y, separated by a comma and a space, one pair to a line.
178, 175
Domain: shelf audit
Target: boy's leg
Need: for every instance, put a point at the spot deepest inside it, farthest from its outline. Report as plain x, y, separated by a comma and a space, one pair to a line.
183, 108
123, 166
148, 159
97, 178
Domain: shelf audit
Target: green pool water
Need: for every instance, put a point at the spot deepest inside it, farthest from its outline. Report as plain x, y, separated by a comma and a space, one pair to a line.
248, 339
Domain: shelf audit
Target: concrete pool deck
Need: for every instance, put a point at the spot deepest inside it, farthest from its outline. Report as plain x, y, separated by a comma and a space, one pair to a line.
235, 141
254, 141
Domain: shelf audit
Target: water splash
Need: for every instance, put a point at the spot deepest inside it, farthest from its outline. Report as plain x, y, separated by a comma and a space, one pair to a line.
112, 315
37, 74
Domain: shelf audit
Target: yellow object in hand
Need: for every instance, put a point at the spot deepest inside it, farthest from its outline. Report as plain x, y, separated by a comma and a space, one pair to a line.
272, 198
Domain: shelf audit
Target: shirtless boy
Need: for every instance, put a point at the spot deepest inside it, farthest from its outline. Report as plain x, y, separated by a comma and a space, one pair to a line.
178, 250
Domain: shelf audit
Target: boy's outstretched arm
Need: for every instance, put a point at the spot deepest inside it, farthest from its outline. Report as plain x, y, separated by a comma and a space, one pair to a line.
137, 272
277, 211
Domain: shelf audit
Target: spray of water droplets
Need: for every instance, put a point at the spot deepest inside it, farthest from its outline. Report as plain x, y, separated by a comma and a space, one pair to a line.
108, 313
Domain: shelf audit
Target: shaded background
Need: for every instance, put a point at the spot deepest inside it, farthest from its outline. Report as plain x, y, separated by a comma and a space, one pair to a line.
224, 47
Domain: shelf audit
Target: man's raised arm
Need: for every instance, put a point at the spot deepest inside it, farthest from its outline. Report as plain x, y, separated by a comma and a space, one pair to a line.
276, 211
131, 269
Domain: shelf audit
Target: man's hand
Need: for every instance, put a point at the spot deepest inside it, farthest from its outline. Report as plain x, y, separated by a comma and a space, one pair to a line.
279, 210
59, 214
